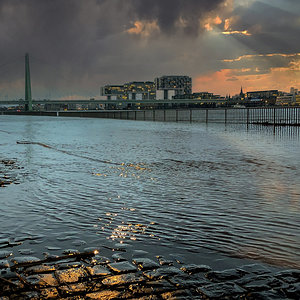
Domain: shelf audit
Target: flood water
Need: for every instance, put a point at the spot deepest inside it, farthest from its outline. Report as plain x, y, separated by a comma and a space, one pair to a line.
188, 189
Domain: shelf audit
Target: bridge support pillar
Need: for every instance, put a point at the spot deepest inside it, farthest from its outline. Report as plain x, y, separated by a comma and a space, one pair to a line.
28, 98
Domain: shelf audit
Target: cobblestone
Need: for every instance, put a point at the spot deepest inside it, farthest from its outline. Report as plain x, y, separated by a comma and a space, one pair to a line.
145, 263
122, 267
89, 275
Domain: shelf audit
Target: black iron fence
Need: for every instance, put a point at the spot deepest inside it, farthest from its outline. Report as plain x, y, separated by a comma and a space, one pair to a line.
259, 115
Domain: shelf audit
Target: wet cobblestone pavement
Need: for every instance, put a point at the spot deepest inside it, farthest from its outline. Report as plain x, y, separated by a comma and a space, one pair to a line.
90, 275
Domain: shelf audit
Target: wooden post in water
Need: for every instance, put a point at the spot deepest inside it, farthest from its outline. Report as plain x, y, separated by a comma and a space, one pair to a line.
206, 116
144, 115
274, 116
225, 115
153, 114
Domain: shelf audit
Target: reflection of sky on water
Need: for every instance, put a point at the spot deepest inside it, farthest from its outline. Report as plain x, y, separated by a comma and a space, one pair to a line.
189, 186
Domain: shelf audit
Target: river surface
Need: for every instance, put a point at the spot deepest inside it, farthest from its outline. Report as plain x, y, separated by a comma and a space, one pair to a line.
201, 192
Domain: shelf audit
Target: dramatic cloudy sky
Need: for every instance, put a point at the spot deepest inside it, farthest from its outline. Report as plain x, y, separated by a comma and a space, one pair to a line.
76, 46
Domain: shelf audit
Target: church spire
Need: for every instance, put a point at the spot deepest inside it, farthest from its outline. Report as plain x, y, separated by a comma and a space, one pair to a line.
242, 95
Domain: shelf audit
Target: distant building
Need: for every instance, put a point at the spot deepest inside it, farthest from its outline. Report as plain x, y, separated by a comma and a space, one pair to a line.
139, 90
136, 90
293, 91
199, 96
169, 87
287, 99
292, 98
206, 95
165, 87
269, 96
112, 92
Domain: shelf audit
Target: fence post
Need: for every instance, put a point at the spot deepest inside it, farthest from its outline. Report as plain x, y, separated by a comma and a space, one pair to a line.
247, 116
206, 116
225, 111
191, 116
153, 114
176, 115
274, 115
144, 115
164, 115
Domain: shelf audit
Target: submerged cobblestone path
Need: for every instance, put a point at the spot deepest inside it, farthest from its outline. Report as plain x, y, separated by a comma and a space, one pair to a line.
89, 275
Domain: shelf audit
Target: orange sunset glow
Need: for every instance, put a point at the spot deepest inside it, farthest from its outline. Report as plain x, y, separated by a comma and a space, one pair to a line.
229, 81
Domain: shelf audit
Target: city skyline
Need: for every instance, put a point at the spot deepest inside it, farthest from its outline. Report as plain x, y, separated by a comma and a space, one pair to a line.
77, 46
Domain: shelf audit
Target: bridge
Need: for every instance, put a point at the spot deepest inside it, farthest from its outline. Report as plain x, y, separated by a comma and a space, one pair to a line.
28, 102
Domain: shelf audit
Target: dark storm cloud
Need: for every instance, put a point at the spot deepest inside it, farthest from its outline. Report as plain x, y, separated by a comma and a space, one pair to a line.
169, 12
77, 45
65, 38
80, 44
274, 29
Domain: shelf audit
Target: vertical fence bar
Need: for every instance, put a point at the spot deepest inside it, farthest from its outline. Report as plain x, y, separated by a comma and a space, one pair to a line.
127, 115
225, 115
135, 114
176, 115
144, 115
274, 116
191, 115
247, 116
286, 115
164, 115
206, 117
260, 114
153, 114
294, 110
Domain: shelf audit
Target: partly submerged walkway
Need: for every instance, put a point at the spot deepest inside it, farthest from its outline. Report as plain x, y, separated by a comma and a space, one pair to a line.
89, 275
